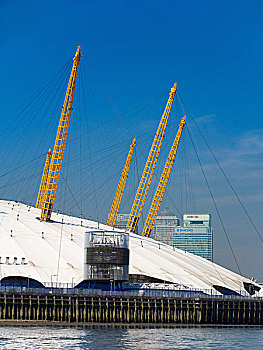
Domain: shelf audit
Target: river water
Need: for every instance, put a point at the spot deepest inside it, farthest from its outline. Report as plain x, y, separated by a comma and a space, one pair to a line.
78, 338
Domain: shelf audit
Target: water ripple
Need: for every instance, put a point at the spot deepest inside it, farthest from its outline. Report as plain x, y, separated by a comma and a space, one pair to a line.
103, 338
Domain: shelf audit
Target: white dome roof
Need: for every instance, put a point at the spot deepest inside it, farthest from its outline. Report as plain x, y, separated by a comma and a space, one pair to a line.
56, 249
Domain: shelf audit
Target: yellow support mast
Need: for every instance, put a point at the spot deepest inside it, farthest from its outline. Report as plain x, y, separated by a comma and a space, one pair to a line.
43, 182
60, 143
150, 165
120, 189
158, 197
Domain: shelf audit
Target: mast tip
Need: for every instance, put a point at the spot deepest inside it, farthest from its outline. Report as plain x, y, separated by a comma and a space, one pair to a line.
77, 54
173, 89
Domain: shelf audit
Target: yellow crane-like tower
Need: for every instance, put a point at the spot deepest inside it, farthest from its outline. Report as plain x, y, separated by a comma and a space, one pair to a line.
60, 143
150, 165
158, 197
120, 189
43, 182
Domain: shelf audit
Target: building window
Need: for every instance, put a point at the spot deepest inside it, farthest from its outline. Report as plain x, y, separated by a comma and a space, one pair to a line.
196, 222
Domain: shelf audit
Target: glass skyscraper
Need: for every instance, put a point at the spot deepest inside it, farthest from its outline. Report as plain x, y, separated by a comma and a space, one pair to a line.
163, 229
195, 236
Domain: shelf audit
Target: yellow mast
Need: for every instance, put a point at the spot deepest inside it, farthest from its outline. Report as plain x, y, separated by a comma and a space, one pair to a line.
158, 197
120, 189
60, 143
43, 182
148, 171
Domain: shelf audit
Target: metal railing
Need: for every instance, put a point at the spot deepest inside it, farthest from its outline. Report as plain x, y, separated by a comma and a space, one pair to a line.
161, 293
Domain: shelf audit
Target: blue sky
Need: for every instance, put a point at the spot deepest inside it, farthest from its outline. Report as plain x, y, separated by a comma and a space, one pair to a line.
137, 50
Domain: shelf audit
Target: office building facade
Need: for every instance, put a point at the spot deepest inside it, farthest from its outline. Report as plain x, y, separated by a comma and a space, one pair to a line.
164, 227
195, 236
